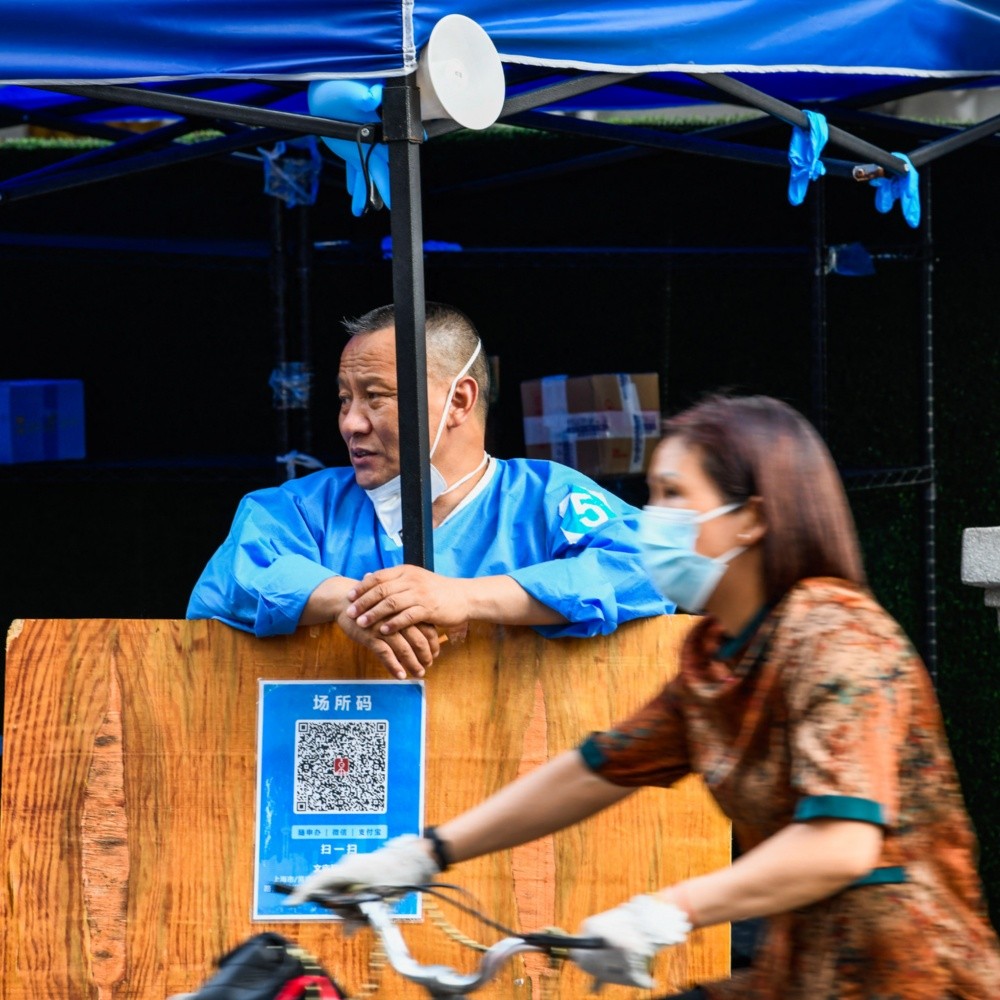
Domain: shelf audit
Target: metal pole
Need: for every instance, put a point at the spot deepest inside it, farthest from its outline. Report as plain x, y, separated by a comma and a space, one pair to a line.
198, 107
404, 133
552, 94
279, 309
795, 116
818, 325
930, 487
649, 138
177, 153
952, 142
303, 268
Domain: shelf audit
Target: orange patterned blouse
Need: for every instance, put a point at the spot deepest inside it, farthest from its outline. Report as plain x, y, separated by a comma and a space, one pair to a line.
826, 711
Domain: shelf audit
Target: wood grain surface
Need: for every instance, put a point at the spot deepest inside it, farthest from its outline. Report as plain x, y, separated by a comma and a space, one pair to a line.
127, 817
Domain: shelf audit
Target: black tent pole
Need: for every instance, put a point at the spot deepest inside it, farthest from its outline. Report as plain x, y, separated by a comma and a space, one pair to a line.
927, 370
303, 270
818, 326
278, 266
404, 133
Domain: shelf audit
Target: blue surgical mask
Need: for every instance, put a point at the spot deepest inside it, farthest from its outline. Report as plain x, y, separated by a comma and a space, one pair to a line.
667, 537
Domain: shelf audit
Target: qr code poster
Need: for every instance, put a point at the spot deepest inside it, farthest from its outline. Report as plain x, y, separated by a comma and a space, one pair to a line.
340, 770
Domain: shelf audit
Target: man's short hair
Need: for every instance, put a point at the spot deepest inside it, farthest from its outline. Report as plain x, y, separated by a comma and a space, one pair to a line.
451, 341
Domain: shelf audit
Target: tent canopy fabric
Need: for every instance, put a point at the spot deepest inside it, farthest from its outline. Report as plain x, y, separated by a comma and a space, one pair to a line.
47, 42
261, 54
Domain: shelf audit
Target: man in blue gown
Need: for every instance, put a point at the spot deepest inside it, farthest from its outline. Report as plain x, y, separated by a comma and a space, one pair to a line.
516, 541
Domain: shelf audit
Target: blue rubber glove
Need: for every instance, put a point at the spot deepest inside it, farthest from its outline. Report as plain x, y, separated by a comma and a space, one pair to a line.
804, 156
354, 101
905, 188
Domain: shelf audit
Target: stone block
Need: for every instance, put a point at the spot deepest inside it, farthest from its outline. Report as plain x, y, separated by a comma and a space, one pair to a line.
981, 557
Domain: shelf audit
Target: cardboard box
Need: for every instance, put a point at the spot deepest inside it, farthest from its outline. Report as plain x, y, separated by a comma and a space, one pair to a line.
603, 425
41, 420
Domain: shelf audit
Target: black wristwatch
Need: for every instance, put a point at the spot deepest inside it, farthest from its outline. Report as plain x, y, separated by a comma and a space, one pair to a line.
438, 848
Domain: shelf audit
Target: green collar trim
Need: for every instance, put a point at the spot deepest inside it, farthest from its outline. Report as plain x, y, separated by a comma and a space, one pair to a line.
732, 644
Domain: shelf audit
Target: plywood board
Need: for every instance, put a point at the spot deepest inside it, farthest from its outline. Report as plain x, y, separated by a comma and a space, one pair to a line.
127, 818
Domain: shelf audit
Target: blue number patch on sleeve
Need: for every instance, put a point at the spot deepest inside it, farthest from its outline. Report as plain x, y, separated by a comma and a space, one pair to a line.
582, 511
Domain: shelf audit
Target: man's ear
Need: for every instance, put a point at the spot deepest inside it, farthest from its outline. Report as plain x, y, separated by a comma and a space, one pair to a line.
753, 523
463, 402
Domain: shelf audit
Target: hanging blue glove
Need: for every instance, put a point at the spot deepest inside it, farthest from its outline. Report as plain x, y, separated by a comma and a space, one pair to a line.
803, 154
354, 101
905, 188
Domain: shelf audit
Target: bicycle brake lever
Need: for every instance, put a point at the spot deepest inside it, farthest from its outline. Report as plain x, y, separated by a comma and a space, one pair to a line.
331, 900
548, 941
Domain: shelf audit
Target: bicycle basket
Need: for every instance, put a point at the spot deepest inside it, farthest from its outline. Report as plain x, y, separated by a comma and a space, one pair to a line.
268, 967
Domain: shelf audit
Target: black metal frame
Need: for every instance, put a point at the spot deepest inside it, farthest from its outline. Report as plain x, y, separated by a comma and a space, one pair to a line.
131, 153
403, 133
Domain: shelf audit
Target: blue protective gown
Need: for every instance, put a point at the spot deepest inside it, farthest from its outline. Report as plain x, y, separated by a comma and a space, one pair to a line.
567, 542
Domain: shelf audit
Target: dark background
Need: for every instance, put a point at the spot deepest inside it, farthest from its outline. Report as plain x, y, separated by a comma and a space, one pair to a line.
694, 268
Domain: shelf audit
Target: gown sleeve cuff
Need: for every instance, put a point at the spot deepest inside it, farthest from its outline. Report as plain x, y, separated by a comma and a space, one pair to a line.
840, 807
283, 596
592, 754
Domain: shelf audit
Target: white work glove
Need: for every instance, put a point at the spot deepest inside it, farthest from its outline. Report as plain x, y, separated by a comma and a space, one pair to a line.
634, 933
403, 861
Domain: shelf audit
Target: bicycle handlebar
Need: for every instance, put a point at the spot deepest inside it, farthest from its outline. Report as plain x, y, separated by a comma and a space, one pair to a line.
371, 908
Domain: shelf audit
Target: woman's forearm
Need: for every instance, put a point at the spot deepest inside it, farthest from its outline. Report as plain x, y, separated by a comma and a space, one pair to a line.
553, 796
799, 865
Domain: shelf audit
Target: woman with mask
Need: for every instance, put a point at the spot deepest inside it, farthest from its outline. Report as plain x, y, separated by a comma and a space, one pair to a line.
809, 716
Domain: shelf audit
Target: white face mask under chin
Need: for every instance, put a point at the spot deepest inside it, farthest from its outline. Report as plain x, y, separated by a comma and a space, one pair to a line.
387, 499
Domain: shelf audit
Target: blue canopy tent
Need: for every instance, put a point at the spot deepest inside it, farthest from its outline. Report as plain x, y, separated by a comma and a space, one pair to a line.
243, 66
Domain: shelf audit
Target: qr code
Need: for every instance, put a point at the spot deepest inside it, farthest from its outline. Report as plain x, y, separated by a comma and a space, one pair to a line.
341, 766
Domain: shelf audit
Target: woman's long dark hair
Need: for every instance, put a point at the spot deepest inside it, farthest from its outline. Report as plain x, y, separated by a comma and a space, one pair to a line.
756, 446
